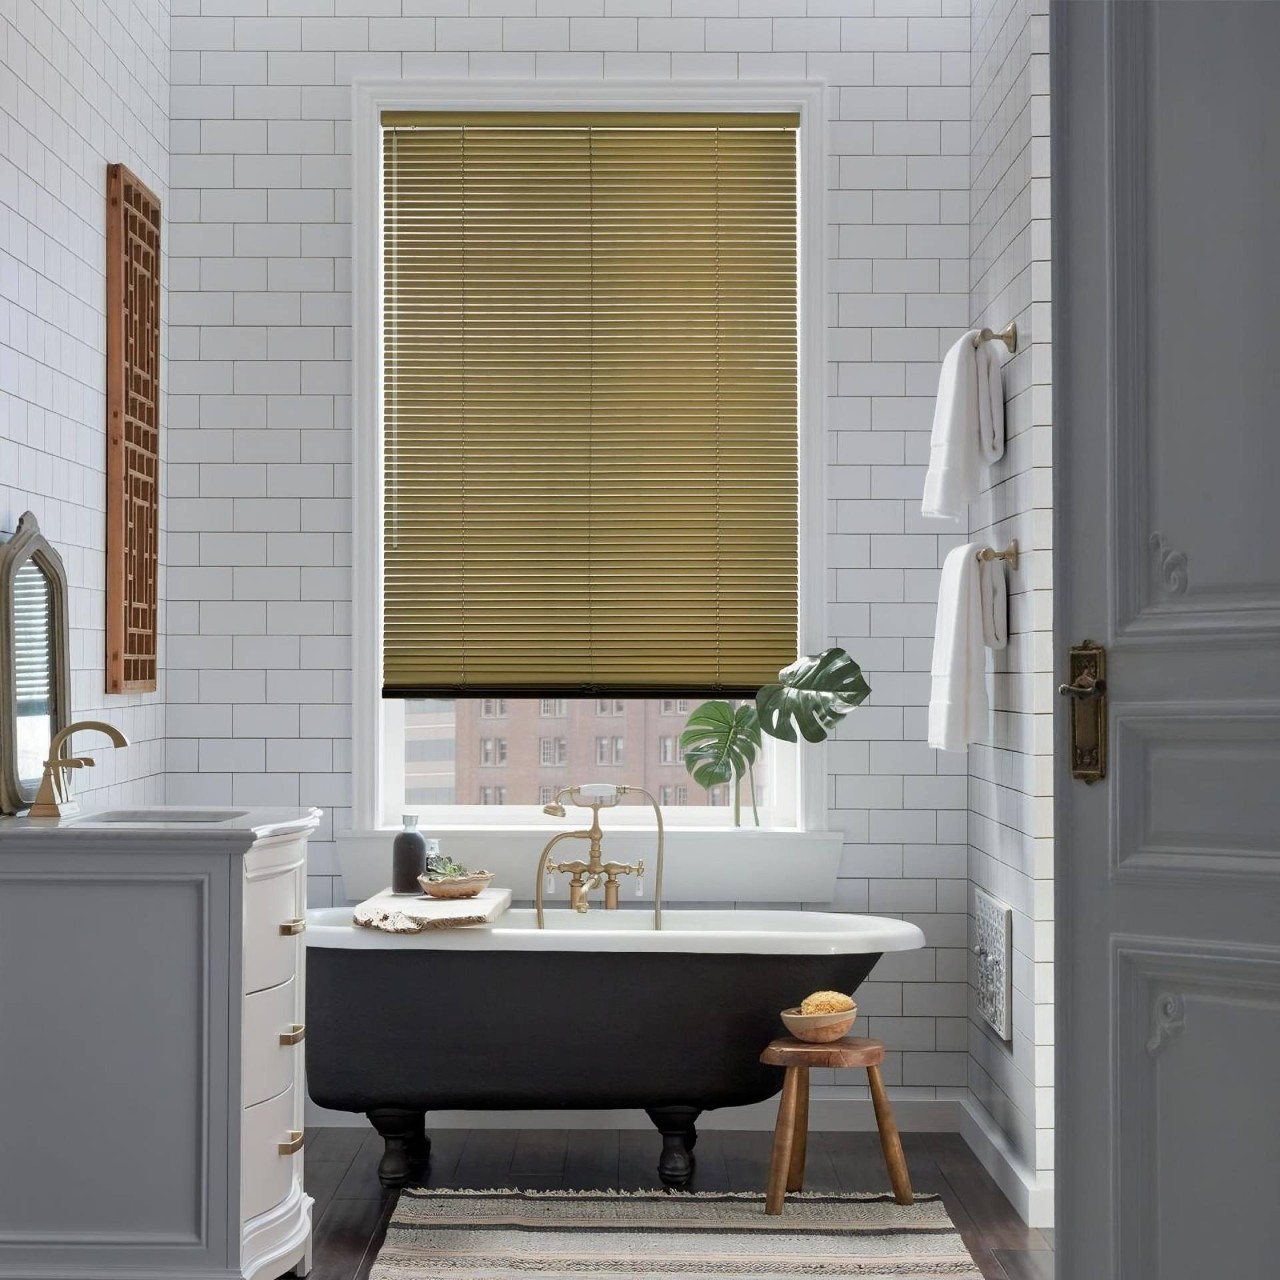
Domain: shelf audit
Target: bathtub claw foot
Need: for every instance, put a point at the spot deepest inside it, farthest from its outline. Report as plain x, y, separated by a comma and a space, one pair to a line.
676, 1124
406, 1145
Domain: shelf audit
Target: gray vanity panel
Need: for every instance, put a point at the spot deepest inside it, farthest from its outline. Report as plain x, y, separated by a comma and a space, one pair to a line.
117, 1027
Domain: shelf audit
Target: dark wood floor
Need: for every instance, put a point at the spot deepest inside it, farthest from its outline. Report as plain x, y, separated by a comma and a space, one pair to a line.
351, 1211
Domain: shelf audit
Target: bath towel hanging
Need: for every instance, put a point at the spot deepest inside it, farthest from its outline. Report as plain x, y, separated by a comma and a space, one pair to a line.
968, 427
958, 696
993, 594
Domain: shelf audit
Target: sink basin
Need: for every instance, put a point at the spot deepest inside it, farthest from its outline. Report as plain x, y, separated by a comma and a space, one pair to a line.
166, 815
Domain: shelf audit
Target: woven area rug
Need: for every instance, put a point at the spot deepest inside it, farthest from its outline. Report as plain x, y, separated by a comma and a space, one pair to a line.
636, 1235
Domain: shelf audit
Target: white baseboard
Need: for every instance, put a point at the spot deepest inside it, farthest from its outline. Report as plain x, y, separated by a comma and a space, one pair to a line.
1030, 1193
829, 1109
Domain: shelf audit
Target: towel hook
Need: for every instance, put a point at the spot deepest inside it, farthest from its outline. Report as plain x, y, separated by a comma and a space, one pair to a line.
1009, 554
1008, 335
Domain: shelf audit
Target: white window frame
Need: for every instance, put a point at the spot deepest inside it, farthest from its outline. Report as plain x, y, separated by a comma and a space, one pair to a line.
378, 724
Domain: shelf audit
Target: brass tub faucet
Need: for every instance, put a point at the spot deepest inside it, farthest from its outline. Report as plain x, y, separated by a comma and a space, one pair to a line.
594, 872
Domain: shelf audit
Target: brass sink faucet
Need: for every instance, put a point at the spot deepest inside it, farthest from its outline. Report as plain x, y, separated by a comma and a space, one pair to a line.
53, 800
584, 876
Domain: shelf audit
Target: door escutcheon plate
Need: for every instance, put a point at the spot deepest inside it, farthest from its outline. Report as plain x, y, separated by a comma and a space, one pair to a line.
1087, 691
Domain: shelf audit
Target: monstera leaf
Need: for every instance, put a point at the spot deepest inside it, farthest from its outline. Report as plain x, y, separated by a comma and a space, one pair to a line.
812, 695
720, 743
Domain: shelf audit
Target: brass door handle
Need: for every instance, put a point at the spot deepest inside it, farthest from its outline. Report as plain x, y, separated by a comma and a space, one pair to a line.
292, 927
1087, 716
1084, 686
294, 1034
294, 1145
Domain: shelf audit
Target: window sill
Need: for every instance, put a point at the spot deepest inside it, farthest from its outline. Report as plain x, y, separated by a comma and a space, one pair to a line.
709, 865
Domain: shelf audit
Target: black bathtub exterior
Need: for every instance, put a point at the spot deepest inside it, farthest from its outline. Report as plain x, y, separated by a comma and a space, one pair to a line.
397, 1033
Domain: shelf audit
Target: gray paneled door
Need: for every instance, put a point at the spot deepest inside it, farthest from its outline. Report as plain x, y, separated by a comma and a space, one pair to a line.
1167, 351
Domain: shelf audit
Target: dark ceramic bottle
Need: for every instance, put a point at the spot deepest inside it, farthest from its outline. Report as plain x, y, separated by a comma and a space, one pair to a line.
408, 857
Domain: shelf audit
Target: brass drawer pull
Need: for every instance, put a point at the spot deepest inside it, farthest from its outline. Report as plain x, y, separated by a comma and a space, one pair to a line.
294, 1035
294, 1145
292, 927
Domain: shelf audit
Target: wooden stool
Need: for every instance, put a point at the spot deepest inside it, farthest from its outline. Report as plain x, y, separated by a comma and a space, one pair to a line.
790, 1137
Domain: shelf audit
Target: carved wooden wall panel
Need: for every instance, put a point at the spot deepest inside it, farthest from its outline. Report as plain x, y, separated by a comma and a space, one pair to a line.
133, 430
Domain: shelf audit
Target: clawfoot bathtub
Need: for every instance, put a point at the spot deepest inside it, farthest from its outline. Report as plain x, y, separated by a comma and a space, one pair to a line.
595, 1011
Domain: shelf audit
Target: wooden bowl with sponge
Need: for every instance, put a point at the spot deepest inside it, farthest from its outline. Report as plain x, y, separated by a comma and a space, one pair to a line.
821, 1018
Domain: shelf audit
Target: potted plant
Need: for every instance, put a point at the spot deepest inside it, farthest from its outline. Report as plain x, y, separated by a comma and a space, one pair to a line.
721, 740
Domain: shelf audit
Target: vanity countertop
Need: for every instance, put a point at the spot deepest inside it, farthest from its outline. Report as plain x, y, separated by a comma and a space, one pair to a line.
218, 825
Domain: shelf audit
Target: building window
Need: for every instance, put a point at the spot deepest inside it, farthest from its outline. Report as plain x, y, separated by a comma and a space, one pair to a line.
610, 706
546, 794
493, 708
486, 795
451, 755
553, 707
675, 706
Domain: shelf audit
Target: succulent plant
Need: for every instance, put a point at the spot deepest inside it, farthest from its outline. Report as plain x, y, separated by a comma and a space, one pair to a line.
441, 867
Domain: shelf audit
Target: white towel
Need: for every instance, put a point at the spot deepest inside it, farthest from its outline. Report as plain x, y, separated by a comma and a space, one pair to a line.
968, 427
958, 700
994, 594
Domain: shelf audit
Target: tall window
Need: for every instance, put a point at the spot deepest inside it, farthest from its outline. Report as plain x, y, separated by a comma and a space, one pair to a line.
572, 302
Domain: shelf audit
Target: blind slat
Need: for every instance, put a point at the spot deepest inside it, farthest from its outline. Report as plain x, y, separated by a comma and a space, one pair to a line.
590, 403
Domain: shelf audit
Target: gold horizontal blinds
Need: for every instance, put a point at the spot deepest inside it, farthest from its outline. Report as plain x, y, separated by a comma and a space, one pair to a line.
590, 401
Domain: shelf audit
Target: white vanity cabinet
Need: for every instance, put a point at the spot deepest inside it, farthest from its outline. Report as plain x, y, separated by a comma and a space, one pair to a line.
152, 1033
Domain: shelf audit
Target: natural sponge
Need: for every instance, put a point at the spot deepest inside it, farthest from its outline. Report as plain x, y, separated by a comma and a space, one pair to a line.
826, 1002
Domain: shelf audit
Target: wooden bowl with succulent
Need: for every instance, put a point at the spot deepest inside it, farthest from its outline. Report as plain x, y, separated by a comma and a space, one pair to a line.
821, 1018
445, 878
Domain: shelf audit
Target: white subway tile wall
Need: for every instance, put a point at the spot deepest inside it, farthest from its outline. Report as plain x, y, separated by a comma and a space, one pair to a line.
260, 549
82, 86
1011, 779
257, 511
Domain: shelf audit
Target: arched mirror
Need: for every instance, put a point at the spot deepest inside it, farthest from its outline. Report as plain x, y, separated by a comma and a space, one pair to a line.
34, 681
